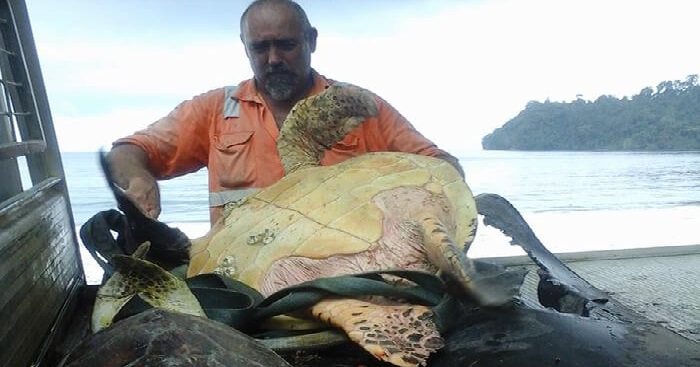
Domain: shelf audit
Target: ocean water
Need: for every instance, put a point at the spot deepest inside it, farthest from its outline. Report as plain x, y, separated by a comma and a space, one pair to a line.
574, 201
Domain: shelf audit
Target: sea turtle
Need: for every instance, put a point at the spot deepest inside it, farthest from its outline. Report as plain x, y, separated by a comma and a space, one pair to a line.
377, 211
161, 338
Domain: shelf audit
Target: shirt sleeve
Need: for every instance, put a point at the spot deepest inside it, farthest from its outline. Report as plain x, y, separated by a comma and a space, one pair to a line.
395, 133
179, 142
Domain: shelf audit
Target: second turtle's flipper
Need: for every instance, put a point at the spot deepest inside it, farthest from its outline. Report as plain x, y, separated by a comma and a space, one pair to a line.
111, 298
137, 277
562, 289
158, 287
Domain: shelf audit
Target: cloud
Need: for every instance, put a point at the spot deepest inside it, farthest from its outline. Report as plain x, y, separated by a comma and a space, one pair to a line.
143, 68
90, 133
457, 66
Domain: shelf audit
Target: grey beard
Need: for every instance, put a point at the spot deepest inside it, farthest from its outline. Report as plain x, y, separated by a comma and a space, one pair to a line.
281, 86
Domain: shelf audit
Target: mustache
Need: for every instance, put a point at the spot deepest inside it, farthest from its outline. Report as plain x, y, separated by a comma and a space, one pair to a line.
278, 69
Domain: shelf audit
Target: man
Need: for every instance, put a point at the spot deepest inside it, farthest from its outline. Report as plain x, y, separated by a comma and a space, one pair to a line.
233, 130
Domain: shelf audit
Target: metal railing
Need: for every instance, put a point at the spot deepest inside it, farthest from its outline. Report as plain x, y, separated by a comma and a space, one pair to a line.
26, 128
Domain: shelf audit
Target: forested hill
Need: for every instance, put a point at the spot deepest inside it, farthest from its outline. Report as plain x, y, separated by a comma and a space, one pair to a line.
664, 118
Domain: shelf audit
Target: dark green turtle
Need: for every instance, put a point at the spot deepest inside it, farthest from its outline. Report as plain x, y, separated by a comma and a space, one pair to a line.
161, 338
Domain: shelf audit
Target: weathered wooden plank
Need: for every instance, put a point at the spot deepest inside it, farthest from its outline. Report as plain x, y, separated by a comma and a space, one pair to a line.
30, 243
56, 267
34, 329
39, 269
33, 325
34, 321
23, 261
40, 290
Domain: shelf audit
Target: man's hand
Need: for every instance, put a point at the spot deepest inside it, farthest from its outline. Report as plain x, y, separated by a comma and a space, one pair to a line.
129, 167
145, 194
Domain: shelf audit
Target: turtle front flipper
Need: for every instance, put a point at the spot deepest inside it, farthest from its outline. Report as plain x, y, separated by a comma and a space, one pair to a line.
135, 276
111, 297
403, 334
486, 284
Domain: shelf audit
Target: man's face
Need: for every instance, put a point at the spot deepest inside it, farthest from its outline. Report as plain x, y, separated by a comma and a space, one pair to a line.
279, 50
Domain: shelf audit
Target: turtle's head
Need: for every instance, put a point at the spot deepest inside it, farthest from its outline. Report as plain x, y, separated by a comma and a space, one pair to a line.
348, 100
318, 122
335, 112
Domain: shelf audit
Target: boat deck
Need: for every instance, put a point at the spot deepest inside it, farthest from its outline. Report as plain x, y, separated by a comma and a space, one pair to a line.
662, 283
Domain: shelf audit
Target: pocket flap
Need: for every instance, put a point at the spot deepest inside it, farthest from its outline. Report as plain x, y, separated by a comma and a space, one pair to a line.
229, 140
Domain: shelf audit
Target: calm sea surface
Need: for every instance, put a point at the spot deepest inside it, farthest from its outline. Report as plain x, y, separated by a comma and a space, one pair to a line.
574, 201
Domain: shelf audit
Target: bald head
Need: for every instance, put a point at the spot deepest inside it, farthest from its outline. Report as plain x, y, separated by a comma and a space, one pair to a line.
279, 41
275, 5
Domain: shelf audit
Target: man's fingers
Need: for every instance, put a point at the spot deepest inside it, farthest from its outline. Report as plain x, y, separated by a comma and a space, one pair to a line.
153, 213
145, 203
146, 195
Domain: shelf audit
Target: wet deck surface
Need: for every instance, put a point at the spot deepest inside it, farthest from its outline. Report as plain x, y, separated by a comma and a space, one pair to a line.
662, 283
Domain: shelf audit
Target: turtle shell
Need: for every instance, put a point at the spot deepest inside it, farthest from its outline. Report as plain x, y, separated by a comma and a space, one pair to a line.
359, 215
159, 338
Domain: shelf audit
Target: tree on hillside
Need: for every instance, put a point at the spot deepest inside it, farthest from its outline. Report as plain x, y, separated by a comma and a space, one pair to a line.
666, 117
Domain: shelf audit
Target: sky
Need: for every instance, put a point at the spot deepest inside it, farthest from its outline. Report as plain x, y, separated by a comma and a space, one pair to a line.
456, 69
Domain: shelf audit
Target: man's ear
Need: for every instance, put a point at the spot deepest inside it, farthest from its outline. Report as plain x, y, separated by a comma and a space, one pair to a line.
311, 37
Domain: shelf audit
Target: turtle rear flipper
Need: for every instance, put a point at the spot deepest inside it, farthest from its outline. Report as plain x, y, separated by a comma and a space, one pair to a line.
487, 284
403, 334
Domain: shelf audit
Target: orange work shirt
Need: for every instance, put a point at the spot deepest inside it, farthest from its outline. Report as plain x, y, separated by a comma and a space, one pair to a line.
231, 131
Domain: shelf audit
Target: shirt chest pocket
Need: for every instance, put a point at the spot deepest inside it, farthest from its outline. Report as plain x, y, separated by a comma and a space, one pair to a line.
233, 159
